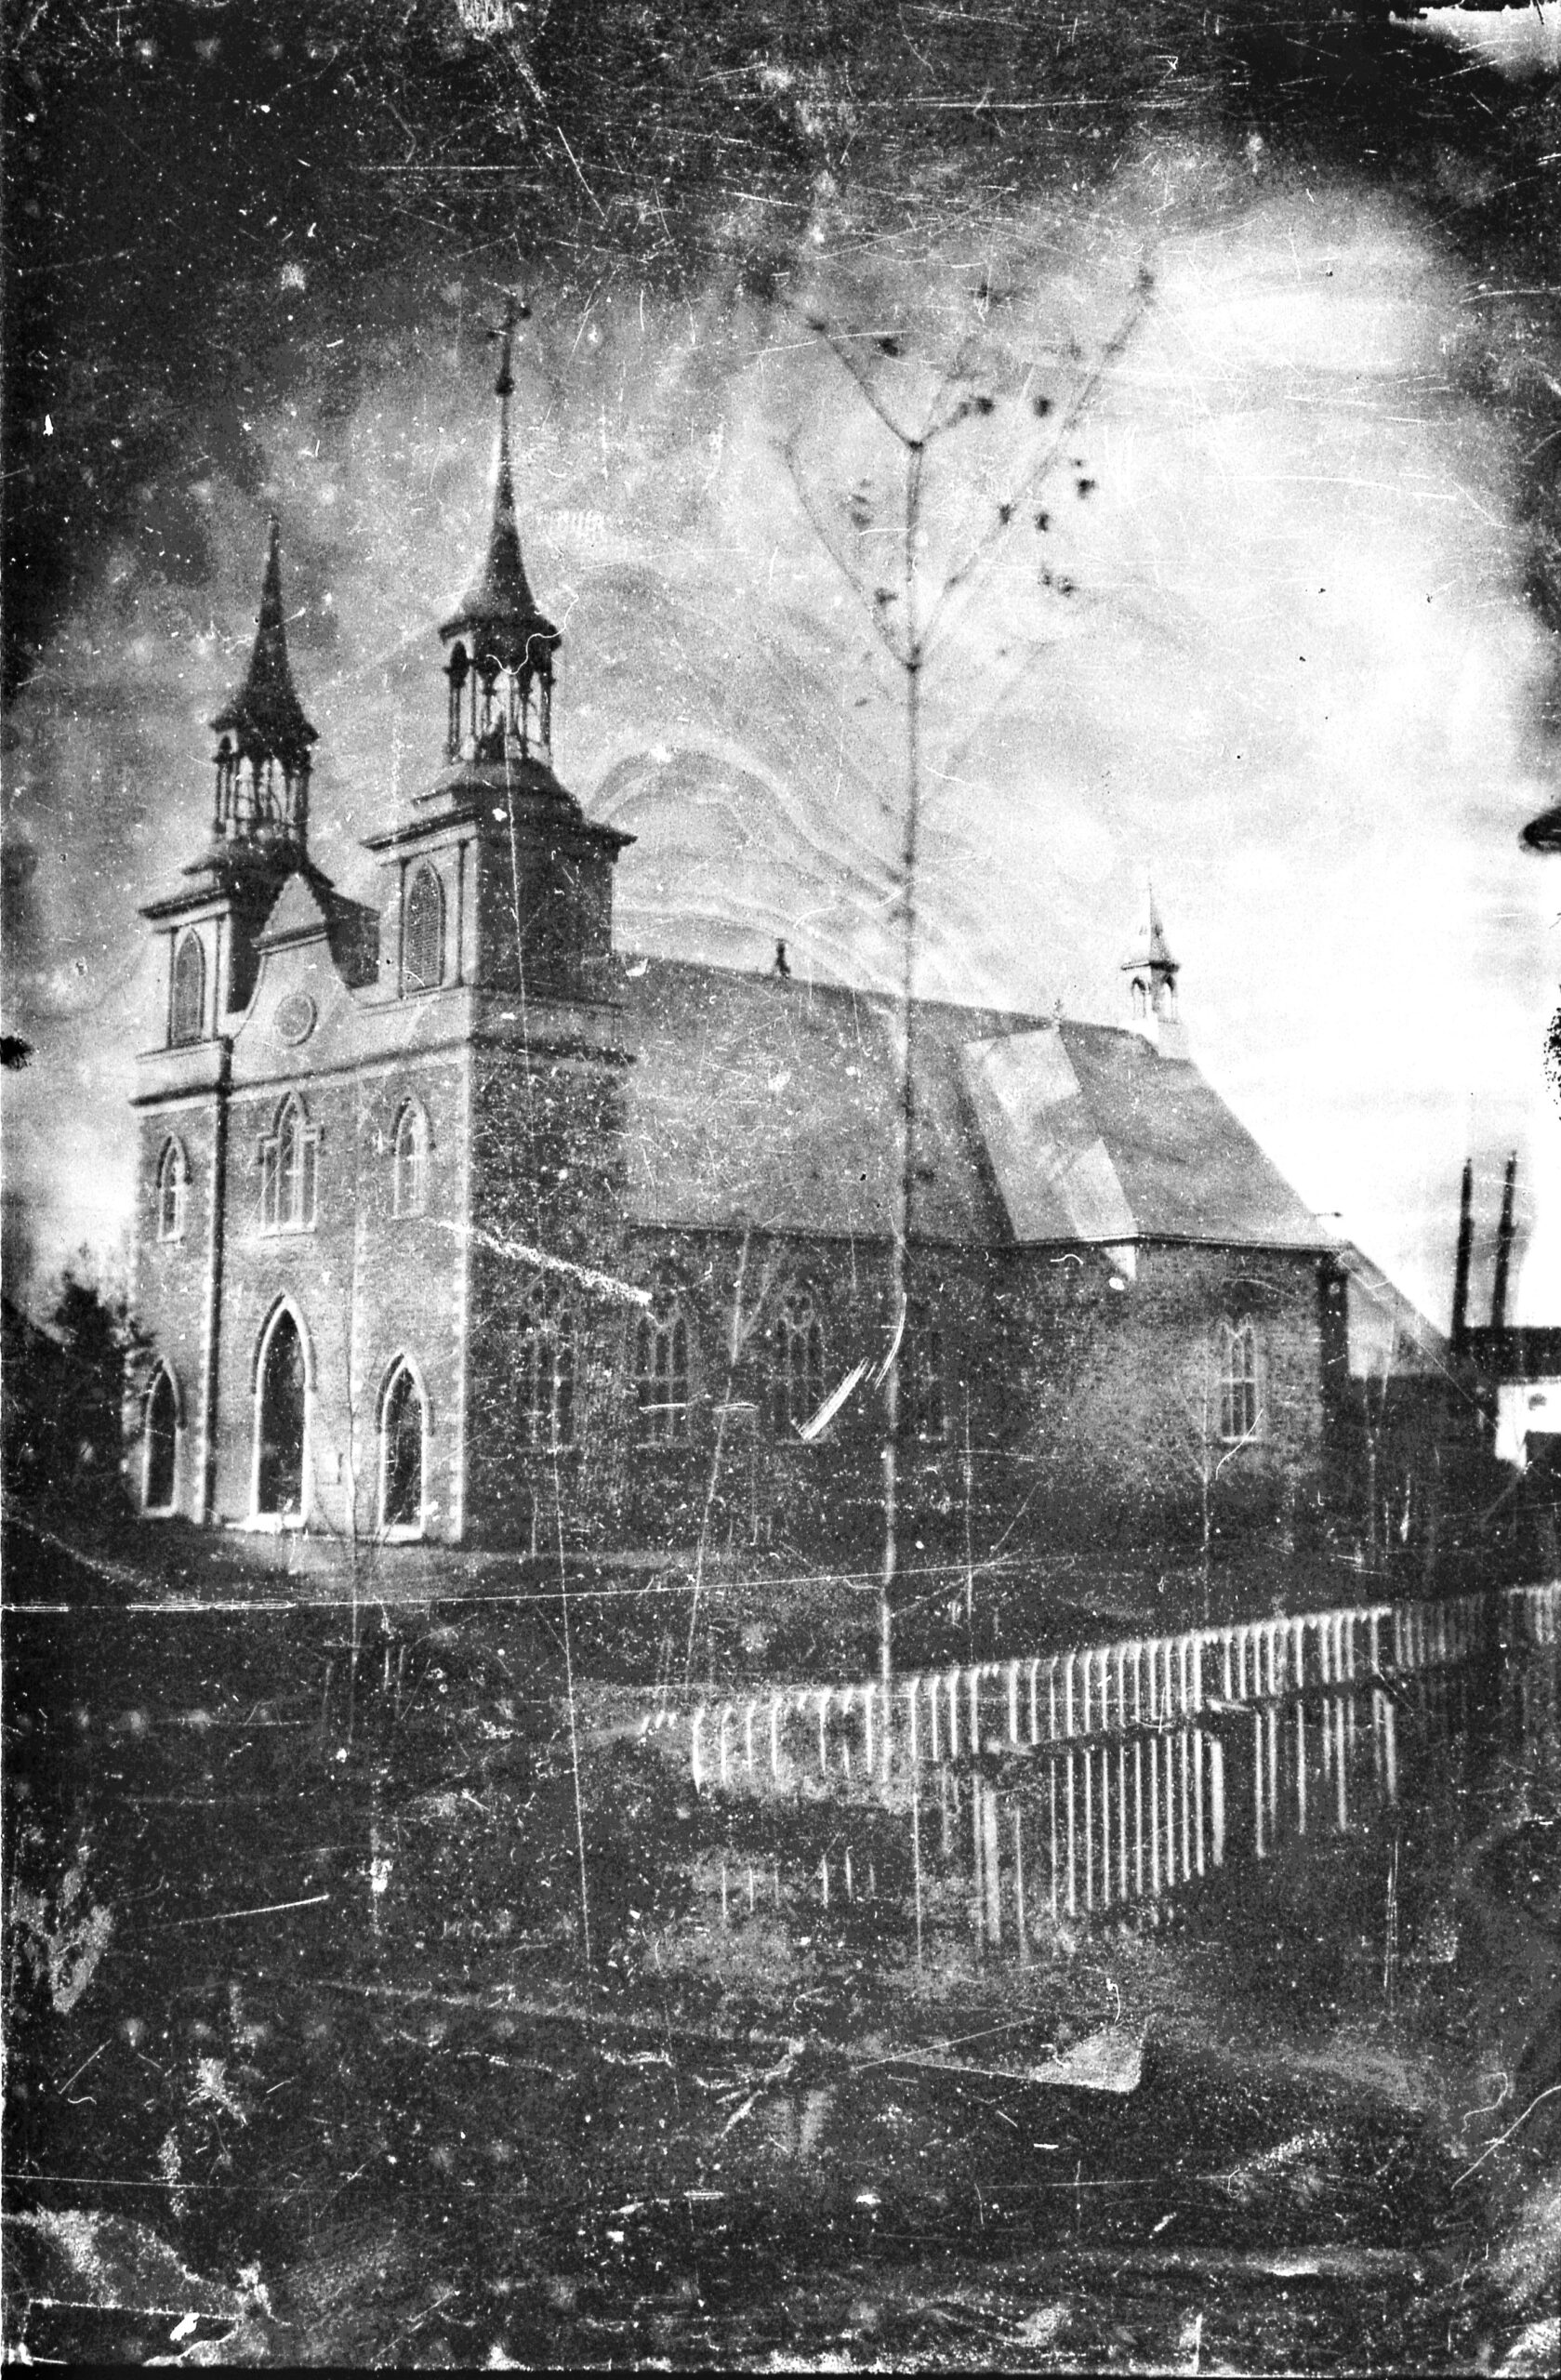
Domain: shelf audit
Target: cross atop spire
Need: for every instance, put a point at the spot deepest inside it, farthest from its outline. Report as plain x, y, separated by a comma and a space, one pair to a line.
263, 758
498, 628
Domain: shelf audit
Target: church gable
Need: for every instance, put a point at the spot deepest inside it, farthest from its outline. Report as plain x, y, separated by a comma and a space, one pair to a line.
484, 1234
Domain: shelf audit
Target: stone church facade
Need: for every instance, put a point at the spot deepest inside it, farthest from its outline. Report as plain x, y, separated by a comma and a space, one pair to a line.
456, 1225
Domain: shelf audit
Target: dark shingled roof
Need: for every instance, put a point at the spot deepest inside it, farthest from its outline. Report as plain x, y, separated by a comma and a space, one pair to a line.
759, 1099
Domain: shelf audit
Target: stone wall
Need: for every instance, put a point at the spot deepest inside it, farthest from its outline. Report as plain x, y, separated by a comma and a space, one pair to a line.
170, 1285
1079, 1398
361, 1278
1072, 1415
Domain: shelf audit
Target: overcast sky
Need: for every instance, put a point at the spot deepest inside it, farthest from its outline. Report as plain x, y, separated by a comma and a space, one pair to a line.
1301, 674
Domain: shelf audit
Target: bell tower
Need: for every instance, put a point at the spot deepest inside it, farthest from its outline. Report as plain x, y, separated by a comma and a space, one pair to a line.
500, 663
499, 881
262, 760
1152, 974
260, 835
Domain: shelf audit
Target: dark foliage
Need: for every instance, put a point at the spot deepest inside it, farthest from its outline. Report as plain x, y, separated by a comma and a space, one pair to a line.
63, 1397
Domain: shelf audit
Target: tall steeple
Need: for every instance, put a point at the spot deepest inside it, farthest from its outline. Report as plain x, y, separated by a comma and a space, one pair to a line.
500, 666
1153, 974
263, 758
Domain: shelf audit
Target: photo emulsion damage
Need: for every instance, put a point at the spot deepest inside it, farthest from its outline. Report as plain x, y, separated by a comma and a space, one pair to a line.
782, 1266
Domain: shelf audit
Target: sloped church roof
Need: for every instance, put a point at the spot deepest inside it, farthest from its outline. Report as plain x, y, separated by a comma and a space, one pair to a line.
760, 1100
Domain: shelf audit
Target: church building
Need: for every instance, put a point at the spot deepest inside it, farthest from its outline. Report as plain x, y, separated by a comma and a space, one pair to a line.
459, 1226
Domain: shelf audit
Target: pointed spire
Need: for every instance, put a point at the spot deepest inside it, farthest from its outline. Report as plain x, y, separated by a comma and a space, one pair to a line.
1153, 987
1150, 951
498, 611
266, 717
262, 760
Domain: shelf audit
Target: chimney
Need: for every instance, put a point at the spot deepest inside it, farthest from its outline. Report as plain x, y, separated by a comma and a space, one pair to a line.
1506, 1232
1461, 1265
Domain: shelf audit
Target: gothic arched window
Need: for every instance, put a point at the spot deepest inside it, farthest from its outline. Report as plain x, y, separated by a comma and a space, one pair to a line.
173, 1183
1238, 1382
797, 1378
403, 1435
423, 943
162, 1444
661, 1375
547, 1374
409, 1185
187, 1016
289, 1171
281, 1419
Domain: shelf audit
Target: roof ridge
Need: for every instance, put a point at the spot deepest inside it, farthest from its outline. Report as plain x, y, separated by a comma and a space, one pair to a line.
794, 983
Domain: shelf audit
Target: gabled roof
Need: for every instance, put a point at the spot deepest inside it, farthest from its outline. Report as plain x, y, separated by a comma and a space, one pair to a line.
762, 1100
1188, 1170
755, 1099
308, 907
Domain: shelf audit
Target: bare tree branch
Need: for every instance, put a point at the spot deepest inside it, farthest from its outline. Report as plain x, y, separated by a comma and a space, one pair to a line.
1025, 489
864, 595
864, 379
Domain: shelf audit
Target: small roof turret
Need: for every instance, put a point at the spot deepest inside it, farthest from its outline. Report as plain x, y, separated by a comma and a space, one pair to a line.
265, 717
1153, 986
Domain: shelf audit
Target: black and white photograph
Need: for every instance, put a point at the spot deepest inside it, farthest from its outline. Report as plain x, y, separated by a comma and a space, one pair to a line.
782, 1184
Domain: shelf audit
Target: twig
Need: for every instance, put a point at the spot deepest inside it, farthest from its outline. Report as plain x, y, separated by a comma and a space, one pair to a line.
1503, 2138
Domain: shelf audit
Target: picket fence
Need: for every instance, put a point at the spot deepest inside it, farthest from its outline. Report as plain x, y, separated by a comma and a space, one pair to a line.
1081, 1783
858, 1735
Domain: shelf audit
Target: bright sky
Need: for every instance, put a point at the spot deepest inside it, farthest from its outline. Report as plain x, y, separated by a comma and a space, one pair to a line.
1298, 679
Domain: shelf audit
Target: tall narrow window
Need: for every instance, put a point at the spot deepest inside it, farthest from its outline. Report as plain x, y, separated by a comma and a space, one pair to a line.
289, 1171
410, 1184
173, 1183
423, 943
403, 1429
280, 1414
188, 1020
796, 1377
547, 1374
661, 1378
1238, 1382
162, 1444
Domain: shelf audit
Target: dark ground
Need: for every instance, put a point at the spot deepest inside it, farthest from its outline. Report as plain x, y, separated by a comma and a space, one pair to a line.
299, 2004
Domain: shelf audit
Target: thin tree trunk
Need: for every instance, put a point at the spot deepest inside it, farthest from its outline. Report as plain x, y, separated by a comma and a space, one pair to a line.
897, 1403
